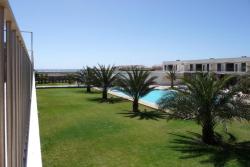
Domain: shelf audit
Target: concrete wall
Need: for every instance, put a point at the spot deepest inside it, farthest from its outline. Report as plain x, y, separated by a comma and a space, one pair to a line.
162, 77
34, 157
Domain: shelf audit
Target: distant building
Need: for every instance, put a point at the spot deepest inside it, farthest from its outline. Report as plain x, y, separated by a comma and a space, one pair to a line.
233, 66
55, 75
56, 72
51, 71
157, 68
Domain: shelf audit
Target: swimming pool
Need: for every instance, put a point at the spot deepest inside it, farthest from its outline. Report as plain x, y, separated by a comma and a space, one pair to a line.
152, 97
155, 95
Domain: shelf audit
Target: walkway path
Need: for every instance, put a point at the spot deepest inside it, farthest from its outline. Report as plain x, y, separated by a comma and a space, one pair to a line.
59, 86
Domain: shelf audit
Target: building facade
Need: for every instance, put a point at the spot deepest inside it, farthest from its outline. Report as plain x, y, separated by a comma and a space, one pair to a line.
232, 66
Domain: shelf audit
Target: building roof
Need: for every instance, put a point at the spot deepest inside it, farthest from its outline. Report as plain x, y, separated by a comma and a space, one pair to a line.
211, 60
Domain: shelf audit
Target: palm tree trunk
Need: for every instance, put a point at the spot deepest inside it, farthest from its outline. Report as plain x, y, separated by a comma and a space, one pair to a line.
172, 83
105, 93
208, 133
135, 105
88, 88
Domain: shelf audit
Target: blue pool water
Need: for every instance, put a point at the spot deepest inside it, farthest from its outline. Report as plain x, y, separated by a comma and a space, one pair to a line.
152, 97
155, 95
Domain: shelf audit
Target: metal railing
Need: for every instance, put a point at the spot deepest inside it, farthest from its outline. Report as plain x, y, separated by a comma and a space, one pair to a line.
16, 72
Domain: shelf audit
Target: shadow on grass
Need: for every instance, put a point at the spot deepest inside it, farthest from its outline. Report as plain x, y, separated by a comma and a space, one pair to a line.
225, 151
111, 100
145, 115
84, 91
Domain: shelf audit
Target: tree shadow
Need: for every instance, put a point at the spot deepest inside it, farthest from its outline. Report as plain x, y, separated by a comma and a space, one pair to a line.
116, 100
84, 91
225, 151
145, 115
111, 100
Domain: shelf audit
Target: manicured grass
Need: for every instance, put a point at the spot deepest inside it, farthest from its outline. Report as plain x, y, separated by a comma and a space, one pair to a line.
77, 131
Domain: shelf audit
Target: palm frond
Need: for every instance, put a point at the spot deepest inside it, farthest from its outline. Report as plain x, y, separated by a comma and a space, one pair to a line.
207, 94
136, 82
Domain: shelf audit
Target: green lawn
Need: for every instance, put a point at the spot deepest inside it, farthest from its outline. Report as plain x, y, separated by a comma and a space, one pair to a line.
77, 131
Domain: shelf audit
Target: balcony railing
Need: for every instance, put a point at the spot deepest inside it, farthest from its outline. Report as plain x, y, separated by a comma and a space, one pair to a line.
16, 74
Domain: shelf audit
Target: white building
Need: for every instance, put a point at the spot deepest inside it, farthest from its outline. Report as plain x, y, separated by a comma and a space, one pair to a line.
236, 66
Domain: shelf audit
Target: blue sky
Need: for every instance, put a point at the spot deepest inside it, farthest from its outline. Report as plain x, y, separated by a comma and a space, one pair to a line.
74, 33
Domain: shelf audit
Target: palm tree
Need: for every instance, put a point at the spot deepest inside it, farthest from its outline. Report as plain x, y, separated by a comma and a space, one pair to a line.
85, 75
70, 78
38, 78
206, 101
244, 84
105, 77
172, 76
44, 78
136, 83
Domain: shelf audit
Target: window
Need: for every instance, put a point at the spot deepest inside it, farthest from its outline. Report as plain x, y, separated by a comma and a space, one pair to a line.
243, 67
198, 67
191, 67
218, 67
236, 67
207, 67
165, 67
230, 67
203, 67
170, 67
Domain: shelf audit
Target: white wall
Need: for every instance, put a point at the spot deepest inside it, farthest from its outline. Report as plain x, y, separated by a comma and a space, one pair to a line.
34, 158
